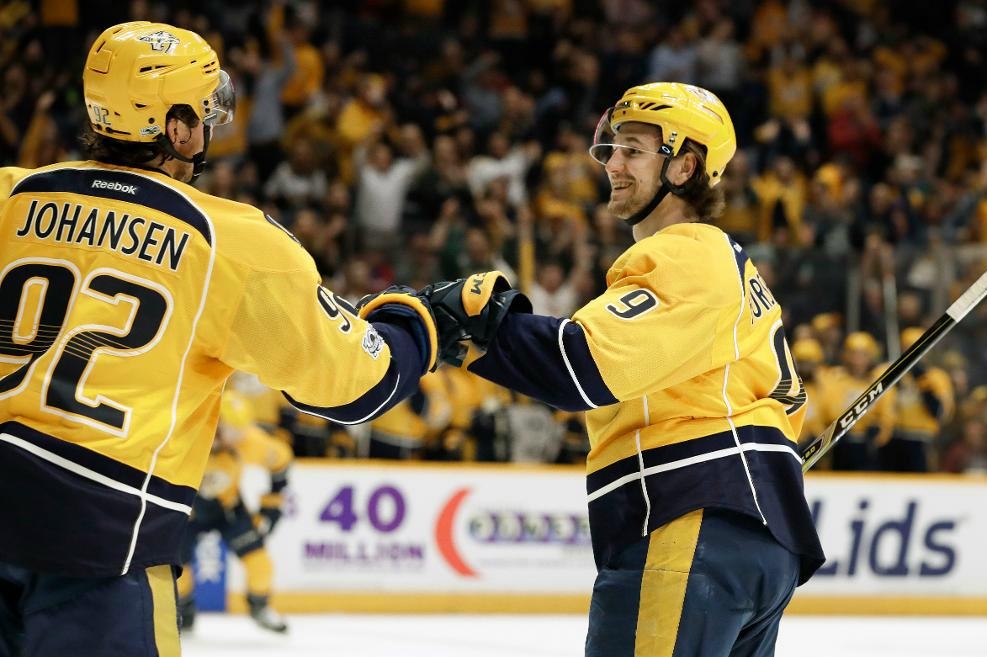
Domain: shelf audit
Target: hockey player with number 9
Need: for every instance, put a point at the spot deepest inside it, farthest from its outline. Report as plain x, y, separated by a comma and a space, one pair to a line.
700, 526
127, 299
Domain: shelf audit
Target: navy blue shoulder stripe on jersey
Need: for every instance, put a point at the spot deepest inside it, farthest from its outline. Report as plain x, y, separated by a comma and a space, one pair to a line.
400, 381
119, 186
546, 358
740, 256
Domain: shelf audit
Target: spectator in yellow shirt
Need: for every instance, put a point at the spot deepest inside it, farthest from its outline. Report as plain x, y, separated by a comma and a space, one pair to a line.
857, 450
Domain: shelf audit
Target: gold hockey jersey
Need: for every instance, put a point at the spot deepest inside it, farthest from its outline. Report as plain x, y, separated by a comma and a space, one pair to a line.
691, 391
924, 402
126, 301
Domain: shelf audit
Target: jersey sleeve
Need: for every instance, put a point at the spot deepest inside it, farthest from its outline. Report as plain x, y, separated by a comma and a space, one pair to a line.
655, 326
302, 339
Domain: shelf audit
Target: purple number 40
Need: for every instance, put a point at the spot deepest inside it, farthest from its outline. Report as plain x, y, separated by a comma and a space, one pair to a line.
340, 509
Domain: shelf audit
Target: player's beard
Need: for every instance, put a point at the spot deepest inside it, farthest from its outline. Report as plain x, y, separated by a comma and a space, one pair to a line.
631, 200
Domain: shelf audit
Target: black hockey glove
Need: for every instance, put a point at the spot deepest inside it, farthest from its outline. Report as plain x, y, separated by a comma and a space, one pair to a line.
266, 519
471, 308
403, 305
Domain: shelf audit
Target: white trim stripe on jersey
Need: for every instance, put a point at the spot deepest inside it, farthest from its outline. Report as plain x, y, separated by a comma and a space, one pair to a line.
692, 460
640, 465
568, 366
726, 381
326, 416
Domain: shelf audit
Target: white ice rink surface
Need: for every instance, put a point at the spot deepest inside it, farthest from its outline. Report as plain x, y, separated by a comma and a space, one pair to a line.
341, 635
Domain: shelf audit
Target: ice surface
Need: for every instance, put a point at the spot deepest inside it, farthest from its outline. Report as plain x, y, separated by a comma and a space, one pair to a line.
343, 635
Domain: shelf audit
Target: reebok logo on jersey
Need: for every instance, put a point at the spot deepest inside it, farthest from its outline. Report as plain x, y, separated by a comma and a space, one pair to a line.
115, 186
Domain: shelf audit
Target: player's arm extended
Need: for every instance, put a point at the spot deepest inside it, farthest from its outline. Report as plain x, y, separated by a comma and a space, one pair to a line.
300, 338
625, 343
546, 358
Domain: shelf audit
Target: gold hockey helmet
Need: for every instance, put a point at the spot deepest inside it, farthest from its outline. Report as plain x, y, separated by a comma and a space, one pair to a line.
135, 72
683, 112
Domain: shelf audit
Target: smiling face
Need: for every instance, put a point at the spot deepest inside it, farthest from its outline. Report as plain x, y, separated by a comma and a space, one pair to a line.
635, 169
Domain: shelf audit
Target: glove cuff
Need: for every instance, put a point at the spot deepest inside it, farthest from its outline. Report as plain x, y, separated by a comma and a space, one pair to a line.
478, 288
419, 310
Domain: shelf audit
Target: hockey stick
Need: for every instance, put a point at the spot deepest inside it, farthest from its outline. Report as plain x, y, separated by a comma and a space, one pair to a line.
812, 450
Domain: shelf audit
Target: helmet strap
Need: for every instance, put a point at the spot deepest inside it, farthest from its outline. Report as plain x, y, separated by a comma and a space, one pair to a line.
198, 161
666, 187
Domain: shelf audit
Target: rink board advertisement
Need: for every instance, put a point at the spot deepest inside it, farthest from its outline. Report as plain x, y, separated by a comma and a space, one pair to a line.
468, 537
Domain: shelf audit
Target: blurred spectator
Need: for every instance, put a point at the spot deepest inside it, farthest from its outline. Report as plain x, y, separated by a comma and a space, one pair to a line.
444, 178
365, 115
857, 450
321, 237
781, 192
968, 454
720, 63
265, 75
924, 403
478, 255
555, 292
808, 355
674, 58
16, 109
298, 181
503, 160
742, 216
382, 185
853, 130
306, 80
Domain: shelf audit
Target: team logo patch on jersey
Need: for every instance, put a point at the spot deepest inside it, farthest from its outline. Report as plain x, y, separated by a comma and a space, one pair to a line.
373, 344
161, 41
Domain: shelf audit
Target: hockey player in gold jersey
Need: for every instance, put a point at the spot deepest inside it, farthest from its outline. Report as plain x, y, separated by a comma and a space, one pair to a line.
810, 360
857, 450
220, 507
925, 401
127, 298
700, 527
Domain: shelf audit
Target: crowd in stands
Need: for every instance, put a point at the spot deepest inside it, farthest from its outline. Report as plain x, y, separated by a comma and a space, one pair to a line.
422, 140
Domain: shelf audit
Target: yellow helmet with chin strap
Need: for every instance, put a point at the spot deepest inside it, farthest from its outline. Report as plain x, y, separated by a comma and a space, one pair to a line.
136, 72
683, 112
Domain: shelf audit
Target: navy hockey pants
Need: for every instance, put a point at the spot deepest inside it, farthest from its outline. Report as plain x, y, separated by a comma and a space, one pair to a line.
711, 583
53, 616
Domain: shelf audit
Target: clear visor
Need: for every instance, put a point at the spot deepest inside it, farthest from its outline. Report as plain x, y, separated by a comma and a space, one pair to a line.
221, 103
604, 143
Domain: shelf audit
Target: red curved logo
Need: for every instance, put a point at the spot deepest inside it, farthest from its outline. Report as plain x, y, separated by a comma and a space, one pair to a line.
443, 534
